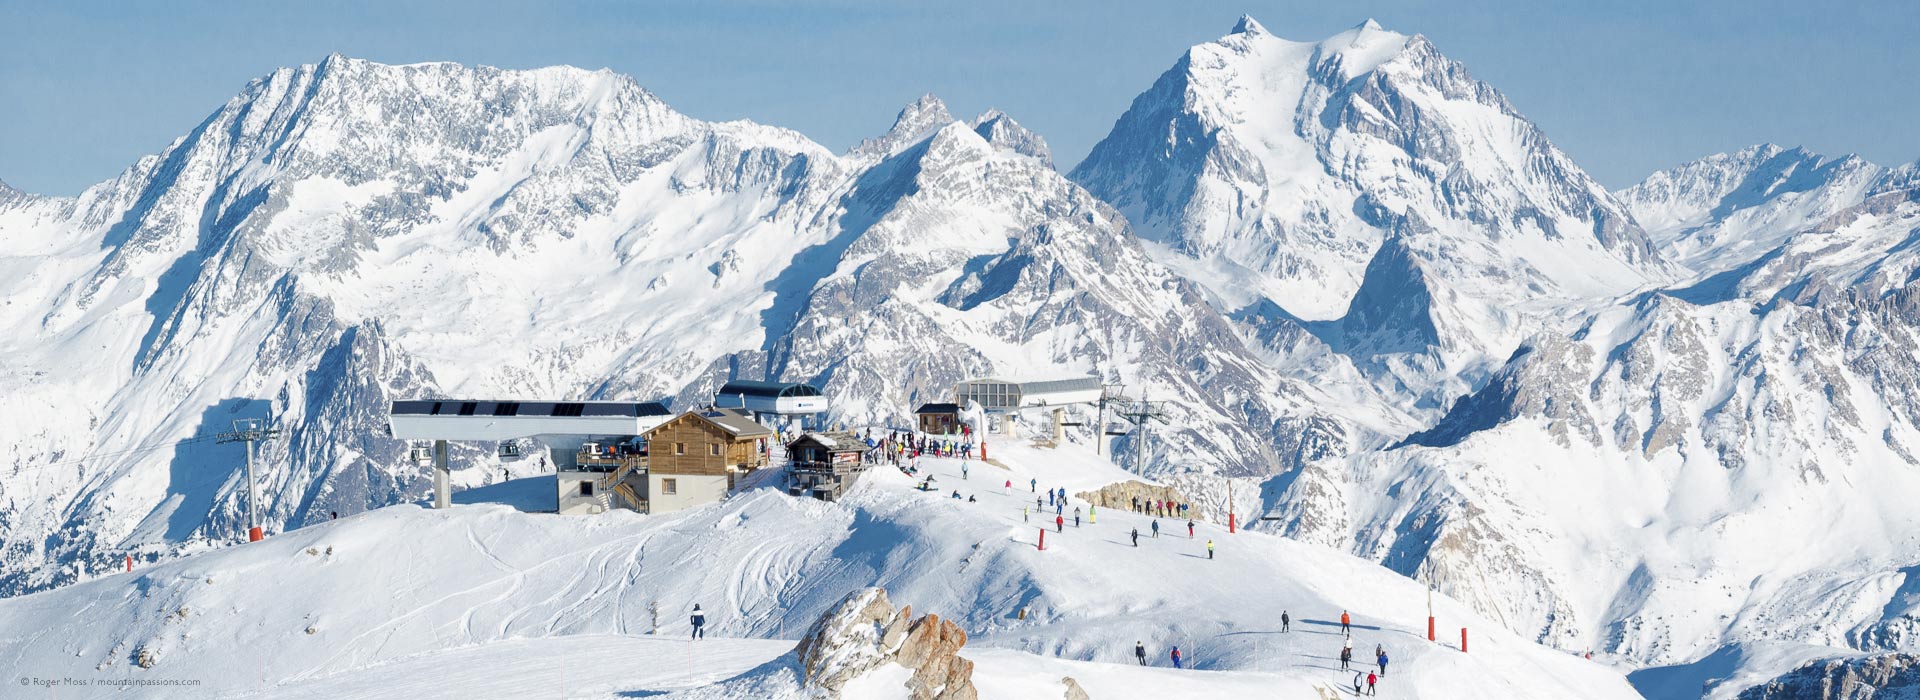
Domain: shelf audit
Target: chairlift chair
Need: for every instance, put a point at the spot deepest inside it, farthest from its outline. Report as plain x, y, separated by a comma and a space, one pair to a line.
509, 451
421, 453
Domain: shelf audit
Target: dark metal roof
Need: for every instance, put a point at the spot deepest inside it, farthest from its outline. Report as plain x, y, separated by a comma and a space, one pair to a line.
937, 408
530, 409
774, 389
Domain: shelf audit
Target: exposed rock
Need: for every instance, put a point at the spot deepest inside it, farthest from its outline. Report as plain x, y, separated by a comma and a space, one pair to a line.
1889, 676
1120, 495
1074, 691
865, 631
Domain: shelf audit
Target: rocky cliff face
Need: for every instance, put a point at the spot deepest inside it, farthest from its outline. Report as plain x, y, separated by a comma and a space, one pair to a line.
1888, 677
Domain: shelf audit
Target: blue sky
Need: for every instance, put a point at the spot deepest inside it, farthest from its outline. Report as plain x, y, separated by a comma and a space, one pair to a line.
1625, 87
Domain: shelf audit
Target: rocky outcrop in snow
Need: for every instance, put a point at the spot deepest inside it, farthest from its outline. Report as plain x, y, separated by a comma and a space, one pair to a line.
865, 632
1886, 677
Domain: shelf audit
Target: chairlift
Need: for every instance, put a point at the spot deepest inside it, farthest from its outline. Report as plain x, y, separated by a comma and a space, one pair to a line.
1116, 429
421, 453
509, 451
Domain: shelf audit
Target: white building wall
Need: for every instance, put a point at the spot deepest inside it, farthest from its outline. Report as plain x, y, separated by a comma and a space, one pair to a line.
571, 502
690, 490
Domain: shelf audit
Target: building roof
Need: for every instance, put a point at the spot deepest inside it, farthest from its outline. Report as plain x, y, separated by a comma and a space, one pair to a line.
531, 409
774, 389
737, 422
841, 441
937, 408
1057, 385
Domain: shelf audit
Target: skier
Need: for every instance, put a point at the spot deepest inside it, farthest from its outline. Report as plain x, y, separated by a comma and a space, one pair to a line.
1136, 537
963, 471
1076, 518
1346, 655
1136, 504
1023, 514
1093, 514
1189, 529
1286, 623
1156, 528
699, 622
1176, 657
1049, 497
1356, 683
1345, 623
1209, 548
1371, 679
1383, 663
1059, 524
1140, 652
1008, 488
1033, 485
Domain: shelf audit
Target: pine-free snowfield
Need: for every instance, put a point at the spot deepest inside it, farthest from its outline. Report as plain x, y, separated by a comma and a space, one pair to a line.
486, 601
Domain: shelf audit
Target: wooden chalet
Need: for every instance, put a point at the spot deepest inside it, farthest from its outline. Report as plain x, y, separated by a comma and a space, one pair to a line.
939, 418
699, 456
825, 465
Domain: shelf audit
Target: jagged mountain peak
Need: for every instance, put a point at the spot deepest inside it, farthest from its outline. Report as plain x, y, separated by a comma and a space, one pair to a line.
1005, 133
1248, 25
915, 122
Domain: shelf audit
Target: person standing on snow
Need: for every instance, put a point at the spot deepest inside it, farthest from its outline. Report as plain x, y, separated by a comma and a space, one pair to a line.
1093, 514
1059, 524
699, 622
1371, 679
1189, 529
1346, 656
1345, 625
1209, 548
963, 471
1383, 663
1156, 528
1140, 652
1136, 537
1176, 657
1007, 488
1023, 514
1286, 623
1033, 485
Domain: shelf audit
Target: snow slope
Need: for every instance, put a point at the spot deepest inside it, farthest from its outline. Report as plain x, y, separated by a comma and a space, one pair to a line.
376, 604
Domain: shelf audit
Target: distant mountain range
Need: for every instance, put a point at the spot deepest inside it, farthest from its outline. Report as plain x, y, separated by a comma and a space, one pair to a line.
1679, 418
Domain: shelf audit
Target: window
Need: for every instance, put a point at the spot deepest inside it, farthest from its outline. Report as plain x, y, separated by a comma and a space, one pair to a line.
679, 448
713, 449
669, 487
586, 488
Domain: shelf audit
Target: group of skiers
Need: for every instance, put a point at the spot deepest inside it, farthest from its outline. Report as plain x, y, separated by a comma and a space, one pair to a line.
1372, 678
1159, 508
900, 446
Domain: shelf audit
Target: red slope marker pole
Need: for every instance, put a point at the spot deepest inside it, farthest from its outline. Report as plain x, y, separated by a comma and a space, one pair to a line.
1463, 640
1430, 636
129, 563
1043, 539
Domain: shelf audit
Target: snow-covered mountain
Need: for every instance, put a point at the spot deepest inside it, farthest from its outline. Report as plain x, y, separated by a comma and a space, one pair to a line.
1606, 427
1674, 425
344, 233
1368, 186
1726, 210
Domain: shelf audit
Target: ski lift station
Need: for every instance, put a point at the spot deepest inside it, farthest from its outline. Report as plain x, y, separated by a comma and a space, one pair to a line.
598, 448
571, 431
785, 399
1001, 397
